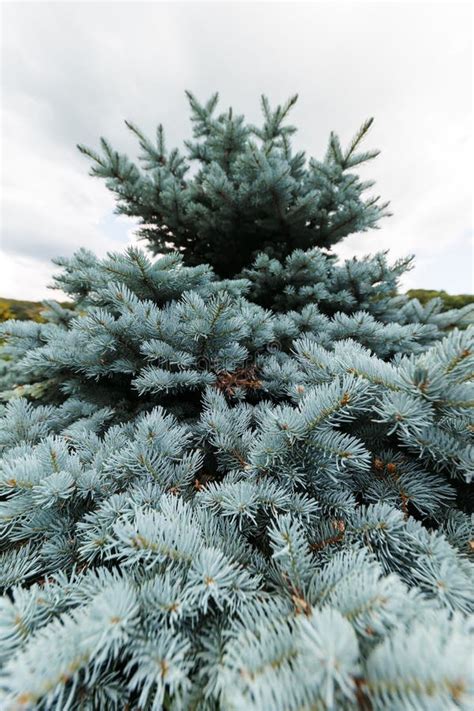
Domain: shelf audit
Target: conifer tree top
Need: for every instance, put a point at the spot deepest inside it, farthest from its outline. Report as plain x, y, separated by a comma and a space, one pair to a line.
237, 494
249, 194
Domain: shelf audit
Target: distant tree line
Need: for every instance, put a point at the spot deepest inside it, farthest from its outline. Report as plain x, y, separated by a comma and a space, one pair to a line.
450, 301
22, 310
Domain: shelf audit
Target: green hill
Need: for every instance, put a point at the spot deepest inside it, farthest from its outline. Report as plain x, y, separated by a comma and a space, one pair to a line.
451, 301
22, 310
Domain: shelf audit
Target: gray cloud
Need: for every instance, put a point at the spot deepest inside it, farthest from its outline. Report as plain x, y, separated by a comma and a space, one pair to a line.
74, 71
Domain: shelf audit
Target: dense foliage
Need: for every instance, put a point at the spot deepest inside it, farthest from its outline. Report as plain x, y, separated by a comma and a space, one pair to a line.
239, 189
242, 493
31, 310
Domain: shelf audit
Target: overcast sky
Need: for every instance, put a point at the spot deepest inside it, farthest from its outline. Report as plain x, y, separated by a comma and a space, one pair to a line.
72, 72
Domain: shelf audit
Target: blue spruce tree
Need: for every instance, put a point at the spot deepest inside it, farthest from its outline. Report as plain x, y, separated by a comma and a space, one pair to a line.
237, 475
248, 191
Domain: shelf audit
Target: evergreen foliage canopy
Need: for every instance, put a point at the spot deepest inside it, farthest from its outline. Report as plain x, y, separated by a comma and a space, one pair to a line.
220, 494
209, 505
247, 191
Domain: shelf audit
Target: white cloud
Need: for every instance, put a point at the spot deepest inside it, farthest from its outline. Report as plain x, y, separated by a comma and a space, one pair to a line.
74, 71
